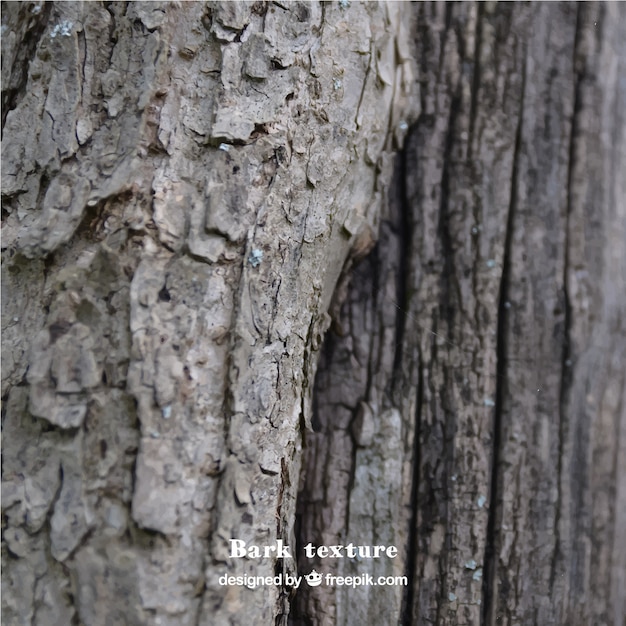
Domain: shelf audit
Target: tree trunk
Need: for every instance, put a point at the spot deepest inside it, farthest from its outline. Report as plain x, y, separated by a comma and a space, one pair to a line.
186, 190
182, 184
474, 410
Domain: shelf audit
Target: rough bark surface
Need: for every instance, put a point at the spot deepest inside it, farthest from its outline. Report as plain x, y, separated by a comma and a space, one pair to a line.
182, 184
473, 410
185, 190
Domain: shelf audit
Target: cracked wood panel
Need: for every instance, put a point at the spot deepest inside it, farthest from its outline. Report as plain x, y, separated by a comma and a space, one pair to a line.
182, 184
502, 344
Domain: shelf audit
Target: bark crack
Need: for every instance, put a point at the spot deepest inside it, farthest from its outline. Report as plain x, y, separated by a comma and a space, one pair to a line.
449, 280
362, 94
404, 235
412, 547
449, 296
566, 352
475, 78
490, 557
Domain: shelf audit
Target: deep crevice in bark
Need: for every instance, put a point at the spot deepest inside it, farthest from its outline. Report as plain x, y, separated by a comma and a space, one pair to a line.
405, 229
449, 298
411, 564
566, 378
475, 77
449, 271
489, 599
403, 224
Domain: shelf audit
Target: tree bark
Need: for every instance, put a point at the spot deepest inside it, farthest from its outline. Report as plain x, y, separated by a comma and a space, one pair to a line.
187, 189
182, 184
474, 409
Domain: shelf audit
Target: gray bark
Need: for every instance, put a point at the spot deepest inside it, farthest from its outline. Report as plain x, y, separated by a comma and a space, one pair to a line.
187, 189
182, 184
474, 408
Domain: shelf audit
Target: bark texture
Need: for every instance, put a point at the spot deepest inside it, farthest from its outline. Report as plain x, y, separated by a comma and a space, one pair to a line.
182, 184
474, 409
186, 188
